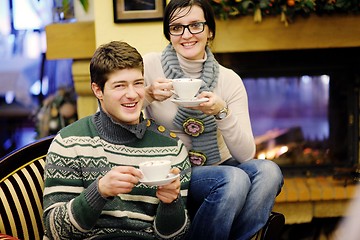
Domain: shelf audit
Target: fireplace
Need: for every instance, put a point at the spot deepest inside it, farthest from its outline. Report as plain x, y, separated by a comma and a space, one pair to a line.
304, 107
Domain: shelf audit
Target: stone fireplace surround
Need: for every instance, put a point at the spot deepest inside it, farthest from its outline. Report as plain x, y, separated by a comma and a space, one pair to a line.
344, 70
315, 192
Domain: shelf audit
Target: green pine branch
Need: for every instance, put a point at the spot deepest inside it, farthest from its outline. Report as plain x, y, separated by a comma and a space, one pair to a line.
289, 9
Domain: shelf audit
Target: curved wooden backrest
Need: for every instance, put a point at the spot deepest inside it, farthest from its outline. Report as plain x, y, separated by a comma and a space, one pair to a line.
21, 190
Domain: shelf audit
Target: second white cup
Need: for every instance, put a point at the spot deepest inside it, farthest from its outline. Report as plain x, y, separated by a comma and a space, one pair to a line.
186, 88
155, 170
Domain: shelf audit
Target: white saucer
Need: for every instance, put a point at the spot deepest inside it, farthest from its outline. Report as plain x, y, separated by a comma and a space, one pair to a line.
161, 182
189, 103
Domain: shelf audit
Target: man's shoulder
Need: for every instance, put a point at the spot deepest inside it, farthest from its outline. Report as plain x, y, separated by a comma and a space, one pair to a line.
160, 130
82, 127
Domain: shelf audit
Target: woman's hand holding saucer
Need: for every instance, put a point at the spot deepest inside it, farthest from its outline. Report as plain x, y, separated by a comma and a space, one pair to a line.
212, 106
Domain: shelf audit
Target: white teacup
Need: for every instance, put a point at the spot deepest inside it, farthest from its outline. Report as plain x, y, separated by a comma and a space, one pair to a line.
186, 88
155, 170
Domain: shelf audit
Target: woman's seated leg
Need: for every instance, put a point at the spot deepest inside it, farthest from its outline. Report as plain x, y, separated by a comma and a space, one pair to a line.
216, 196
266, 183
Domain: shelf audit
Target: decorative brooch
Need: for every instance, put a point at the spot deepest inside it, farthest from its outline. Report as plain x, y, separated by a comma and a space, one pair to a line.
193, 127
197, 158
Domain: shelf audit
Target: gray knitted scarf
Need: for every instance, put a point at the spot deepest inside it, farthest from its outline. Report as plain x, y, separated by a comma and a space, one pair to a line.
201, 128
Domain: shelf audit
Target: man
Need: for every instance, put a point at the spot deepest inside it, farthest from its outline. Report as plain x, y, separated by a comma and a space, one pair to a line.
92, 187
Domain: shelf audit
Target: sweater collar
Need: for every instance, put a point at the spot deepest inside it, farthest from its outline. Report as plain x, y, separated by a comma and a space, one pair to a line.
115, 132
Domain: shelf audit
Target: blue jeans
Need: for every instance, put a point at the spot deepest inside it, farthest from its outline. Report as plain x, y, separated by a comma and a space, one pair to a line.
232, 200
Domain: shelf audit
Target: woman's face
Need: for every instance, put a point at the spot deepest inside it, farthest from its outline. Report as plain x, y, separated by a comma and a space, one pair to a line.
188, 45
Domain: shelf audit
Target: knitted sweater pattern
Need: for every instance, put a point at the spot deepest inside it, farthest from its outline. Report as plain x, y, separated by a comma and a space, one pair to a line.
83, 152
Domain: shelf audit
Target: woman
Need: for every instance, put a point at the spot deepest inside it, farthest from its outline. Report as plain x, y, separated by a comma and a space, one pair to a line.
231, 195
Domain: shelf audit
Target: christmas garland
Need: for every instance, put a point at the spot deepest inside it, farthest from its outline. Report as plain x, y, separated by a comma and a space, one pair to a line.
287, 9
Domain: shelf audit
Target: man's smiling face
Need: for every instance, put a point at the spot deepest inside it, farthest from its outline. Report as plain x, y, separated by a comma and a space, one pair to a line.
123, 95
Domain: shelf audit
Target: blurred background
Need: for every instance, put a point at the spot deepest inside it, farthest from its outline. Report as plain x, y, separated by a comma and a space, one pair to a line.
27, 79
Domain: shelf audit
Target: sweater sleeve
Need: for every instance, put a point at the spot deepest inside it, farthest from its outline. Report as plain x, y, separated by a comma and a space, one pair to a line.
171, 220
236, 127
70, 210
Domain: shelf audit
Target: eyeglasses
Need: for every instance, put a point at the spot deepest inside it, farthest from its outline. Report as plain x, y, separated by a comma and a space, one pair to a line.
194, 28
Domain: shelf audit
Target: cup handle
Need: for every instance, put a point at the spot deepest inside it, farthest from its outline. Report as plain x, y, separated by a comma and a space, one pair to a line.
141, 173
173, 91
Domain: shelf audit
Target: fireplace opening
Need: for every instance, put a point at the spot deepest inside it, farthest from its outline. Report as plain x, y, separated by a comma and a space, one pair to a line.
289, 117
304, 107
